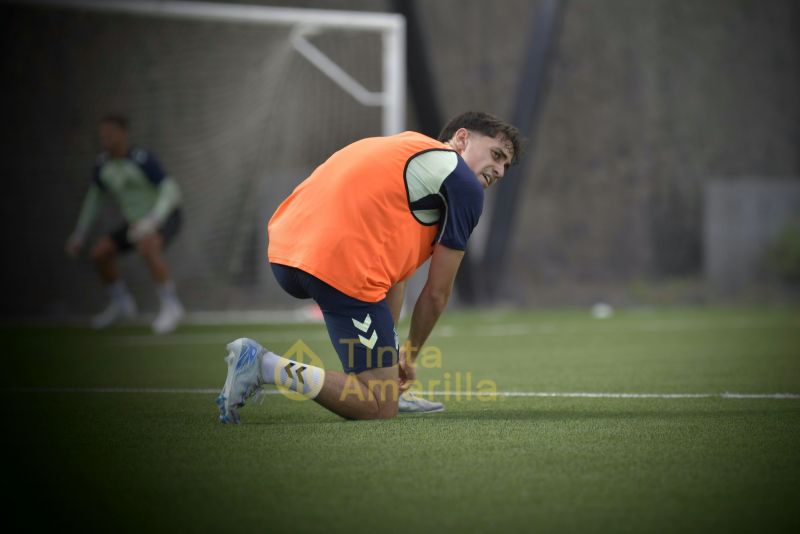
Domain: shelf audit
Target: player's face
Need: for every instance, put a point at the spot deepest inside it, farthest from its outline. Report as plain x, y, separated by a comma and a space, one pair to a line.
112, 137
488, 157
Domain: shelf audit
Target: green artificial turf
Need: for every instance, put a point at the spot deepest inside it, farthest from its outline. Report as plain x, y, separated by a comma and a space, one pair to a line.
99, 439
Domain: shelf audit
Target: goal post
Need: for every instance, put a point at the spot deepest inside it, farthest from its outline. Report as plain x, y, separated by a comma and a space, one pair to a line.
239, 102
391, 27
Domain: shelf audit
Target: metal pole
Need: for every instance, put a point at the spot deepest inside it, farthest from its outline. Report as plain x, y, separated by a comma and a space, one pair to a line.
544, 30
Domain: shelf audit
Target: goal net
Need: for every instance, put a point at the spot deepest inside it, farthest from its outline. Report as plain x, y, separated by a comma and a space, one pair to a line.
239, 103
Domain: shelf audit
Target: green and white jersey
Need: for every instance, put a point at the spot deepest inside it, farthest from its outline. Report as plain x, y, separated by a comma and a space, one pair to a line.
139, 184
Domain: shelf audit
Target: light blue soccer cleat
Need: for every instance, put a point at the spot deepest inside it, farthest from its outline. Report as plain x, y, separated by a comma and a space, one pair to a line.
410, 403
244, 378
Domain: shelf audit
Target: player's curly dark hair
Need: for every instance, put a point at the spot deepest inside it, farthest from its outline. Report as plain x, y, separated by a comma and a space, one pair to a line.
486, 124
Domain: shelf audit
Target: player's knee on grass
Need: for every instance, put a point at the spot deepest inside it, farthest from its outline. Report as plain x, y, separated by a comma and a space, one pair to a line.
378, 389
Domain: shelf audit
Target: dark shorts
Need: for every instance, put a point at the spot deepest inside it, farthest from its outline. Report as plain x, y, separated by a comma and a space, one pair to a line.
168, 230
362, 333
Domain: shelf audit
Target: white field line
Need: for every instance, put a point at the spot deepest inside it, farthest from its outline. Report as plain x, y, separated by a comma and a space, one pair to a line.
448, 331
547, 394
607, 326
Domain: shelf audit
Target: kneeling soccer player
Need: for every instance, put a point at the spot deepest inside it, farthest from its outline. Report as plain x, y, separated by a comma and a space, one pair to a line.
349, 237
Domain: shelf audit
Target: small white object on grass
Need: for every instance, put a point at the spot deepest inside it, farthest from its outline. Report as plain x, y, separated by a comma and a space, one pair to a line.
602, 310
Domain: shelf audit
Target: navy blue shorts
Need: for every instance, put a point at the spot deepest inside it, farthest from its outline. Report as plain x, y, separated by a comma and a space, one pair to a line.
168, 230
362, 333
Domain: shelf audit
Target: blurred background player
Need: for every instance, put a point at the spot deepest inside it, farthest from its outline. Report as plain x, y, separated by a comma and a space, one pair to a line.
150, 204
349, 237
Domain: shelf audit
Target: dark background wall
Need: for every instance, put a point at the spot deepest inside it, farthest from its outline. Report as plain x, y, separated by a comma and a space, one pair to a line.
647, 102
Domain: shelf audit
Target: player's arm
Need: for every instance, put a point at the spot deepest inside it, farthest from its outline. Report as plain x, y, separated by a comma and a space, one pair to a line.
431, 303
169, 194
91, 206
463, 203
462, 210
168, 197
394, 299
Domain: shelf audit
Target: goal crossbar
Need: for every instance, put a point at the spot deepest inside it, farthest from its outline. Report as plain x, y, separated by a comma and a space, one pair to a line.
305, 21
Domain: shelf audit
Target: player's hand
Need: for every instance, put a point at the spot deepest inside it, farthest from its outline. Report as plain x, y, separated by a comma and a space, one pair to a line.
74, 245
408, 370
142, 228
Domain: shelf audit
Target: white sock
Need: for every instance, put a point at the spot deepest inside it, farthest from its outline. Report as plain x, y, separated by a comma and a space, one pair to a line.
118, 291
294, 376
166, 293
